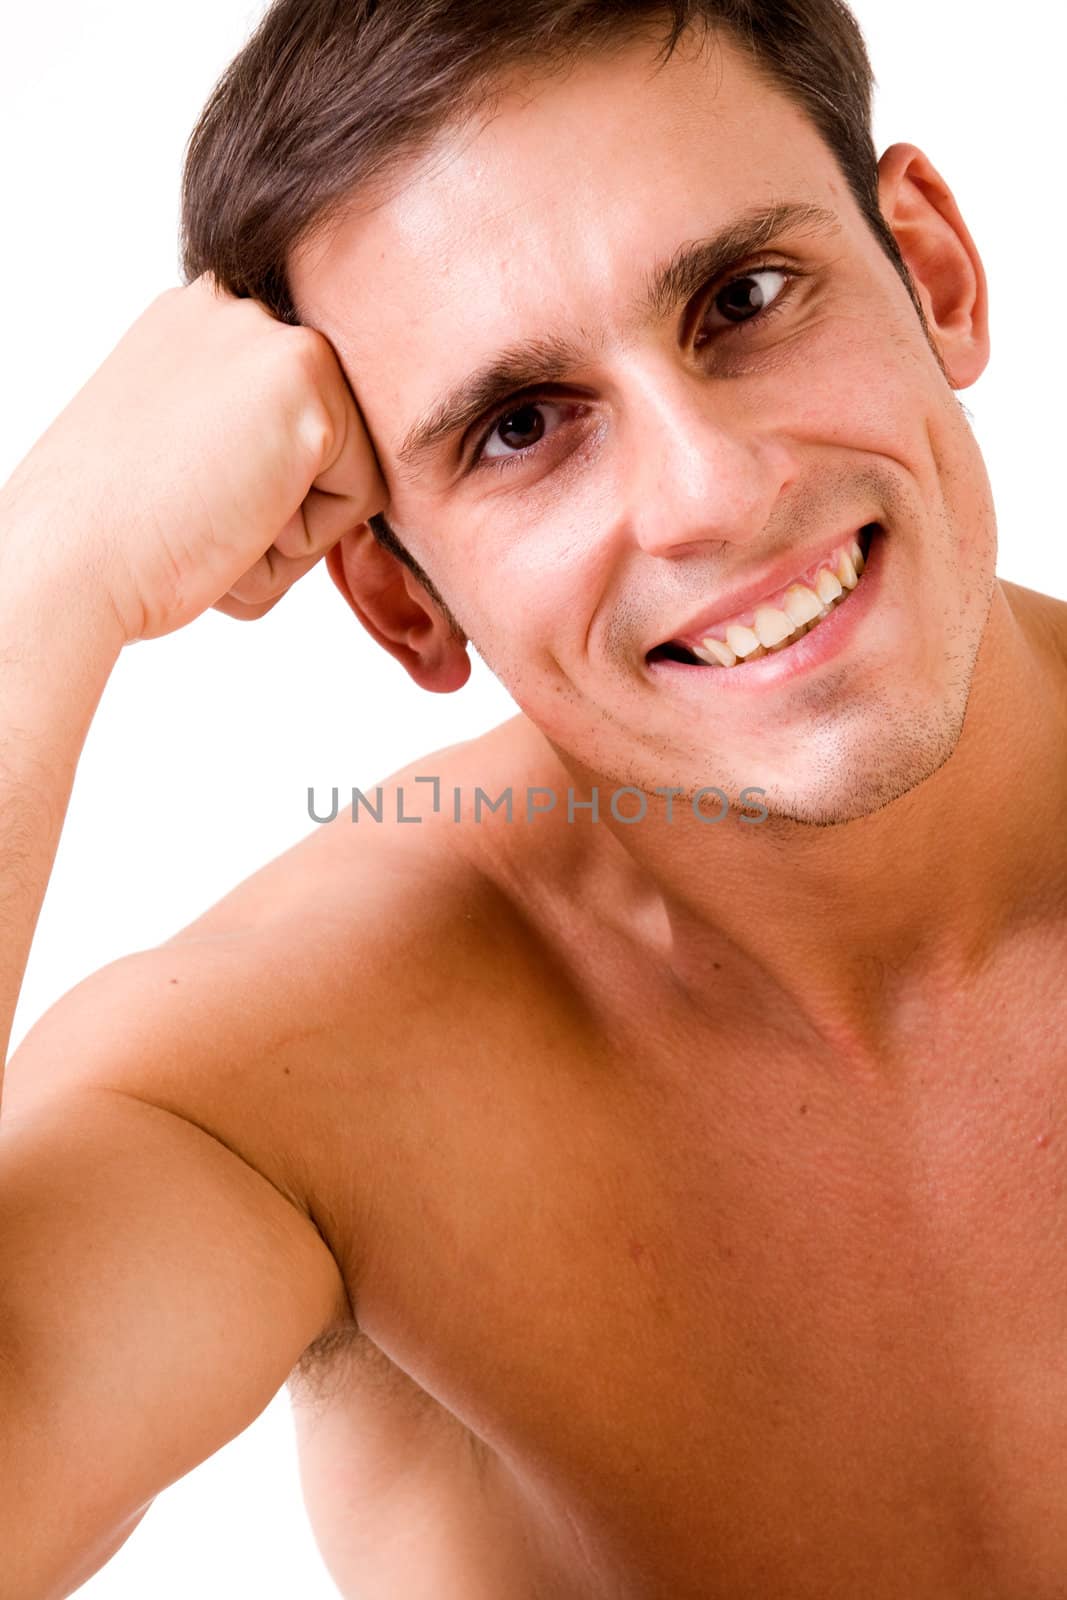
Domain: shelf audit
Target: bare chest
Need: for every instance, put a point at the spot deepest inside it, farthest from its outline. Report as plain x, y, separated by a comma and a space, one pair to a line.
725, 1322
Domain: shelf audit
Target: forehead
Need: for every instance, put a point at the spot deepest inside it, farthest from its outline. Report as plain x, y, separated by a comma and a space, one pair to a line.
542, 216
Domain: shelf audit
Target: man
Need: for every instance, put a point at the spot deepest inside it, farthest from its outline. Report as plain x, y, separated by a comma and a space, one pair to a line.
643, 1205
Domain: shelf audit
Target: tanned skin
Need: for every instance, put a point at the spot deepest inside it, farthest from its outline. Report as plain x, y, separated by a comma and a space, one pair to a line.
643, 1212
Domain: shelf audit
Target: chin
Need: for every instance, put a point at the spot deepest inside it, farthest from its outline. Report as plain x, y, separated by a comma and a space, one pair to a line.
864, 782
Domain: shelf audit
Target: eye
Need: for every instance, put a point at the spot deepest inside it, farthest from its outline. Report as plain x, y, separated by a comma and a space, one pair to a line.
744, 298
752, 296
519, 429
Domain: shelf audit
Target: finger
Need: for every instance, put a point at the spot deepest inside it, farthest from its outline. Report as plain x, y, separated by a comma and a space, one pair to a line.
242, 612
271, 576
295, 538
317, 523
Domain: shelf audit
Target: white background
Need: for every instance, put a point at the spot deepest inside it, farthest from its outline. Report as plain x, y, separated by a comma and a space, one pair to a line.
196, 769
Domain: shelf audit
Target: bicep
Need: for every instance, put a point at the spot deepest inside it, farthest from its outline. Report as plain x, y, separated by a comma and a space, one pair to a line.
155, 1292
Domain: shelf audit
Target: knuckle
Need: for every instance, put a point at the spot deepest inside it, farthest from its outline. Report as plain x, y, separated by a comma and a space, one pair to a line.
261, 585
294, 542
307, 347
317, 434
315, 426
305, 337
247, 591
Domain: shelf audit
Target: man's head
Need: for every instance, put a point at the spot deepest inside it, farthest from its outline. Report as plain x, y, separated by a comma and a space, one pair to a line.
656, 444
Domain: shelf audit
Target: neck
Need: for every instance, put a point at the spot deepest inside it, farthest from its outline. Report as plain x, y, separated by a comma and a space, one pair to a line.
854, 929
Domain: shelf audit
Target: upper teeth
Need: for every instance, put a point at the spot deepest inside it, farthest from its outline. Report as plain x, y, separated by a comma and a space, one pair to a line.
802, 608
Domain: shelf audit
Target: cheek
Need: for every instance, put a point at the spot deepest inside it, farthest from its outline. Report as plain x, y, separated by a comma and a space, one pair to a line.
864, 385
874, 386
507, 580
531, 574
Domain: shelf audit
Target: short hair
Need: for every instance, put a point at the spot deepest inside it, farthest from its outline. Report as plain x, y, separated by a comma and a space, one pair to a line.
328, 96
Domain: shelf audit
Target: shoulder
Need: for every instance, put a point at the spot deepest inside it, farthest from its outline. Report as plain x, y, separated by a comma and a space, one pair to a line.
278, 1020
1044, 618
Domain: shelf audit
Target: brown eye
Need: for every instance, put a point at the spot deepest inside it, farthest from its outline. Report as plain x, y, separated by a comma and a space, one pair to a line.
522, 428
516, 433
744, 298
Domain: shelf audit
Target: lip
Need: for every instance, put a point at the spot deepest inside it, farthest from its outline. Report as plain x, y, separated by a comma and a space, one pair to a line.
760, 591
822, 644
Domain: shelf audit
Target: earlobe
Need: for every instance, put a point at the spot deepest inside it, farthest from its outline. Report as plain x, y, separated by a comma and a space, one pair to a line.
397, 612
941, 257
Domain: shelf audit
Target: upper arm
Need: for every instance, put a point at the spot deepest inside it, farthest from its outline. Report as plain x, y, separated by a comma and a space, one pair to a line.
156, 1286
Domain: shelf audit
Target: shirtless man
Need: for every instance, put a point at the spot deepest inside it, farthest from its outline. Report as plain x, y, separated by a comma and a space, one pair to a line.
640, 1210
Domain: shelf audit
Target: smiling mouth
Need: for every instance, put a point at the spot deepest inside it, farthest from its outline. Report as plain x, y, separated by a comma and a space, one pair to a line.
774, 626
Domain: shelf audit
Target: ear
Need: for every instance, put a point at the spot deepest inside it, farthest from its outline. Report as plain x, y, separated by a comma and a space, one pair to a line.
941, 256
397, 611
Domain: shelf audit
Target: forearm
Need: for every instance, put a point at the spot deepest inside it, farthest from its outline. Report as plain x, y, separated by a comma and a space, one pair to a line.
58, 644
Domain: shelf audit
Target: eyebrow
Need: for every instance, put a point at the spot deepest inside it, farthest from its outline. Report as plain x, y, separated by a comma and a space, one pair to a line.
539, 363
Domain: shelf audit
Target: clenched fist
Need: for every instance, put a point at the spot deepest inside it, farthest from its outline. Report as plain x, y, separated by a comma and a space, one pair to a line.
211, 460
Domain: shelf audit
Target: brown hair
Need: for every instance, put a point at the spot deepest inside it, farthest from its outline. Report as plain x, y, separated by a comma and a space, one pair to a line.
328, 95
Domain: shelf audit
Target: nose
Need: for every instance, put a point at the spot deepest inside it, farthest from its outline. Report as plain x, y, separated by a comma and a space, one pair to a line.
695, 470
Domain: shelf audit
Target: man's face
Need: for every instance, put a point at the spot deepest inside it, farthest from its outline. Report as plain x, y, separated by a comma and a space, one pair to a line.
734, 431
